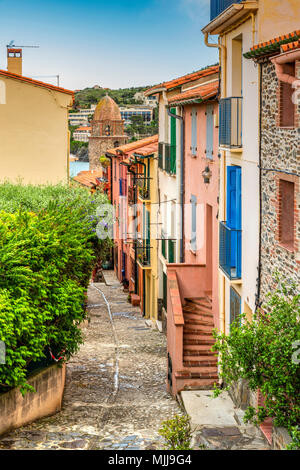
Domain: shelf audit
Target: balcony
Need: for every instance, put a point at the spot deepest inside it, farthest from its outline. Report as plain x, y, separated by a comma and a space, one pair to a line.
230, 251
230, 132
144, 191
143, 253
218, 6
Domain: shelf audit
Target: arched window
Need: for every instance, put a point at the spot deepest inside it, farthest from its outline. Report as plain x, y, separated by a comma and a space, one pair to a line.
107, 130
116, 144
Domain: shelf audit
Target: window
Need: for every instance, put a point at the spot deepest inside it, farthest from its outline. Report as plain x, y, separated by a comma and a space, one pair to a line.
286, 105
286, 214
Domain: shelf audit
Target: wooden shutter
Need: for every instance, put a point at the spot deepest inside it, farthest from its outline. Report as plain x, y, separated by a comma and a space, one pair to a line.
234, 197
235, 305
173, 143
194, 132
194, 223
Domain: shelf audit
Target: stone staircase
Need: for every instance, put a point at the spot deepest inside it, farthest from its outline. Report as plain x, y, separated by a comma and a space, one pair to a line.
199, 362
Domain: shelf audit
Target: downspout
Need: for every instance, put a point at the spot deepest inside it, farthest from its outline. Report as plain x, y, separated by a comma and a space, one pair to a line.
257, 300
180, 118
223, 65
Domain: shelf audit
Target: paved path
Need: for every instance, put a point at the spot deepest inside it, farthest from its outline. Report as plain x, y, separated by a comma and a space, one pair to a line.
218, 425
115, 396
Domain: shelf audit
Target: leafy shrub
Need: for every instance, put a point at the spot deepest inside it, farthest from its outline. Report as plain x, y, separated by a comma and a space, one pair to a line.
46, 259
262, 352
177, 433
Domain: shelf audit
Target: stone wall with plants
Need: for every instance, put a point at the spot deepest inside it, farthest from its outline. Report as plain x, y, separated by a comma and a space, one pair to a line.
48, 248
280, 153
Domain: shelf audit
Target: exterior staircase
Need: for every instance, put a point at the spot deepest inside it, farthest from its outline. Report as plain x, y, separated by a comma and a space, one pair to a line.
199, 362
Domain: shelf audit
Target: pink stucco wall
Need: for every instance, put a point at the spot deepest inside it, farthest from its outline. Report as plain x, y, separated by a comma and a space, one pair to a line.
207, 200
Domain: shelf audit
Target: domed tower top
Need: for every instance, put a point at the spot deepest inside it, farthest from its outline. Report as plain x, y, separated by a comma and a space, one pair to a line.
107, 110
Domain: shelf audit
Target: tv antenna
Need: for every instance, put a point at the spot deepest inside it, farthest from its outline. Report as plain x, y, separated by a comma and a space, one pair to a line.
48, 76
12, 44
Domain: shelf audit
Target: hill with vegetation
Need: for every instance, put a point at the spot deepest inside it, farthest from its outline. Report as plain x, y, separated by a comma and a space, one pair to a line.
123, 96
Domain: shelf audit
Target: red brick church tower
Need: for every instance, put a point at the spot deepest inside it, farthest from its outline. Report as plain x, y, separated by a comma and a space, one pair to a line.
107, 130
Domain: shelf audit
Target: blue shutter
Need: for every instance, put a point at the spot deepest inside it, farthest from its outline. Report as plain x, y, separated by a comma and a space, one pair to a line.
194, 132
234, 199
209, 131
194, 223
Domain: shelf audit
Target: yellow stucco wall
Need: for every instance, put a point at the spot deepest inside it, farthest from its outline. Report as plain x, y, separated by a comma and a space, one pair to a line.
276, 17
34, 135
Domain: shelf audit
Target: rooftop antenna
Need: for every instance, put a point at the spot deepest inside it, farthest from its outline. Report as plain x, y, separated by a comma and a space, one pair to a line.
11, 44
48, 76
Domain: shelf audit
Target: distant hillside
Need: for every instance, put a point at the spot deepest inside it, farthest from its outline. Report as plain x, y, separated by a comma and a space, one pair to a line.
84, 98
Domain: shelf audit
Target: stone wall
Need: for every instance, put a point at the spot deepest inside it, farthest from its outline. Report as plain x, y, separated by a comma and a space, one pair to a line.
280, 438
280, 151
98, 146
16, 410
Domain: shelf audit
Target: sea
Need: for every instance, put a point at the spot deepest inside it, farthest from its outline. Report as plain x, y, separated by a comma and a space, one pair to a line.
77, 167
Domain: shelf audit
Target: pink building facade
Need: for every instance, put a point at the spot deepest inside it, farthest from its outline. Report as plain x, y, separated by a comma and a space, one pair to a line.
193, 300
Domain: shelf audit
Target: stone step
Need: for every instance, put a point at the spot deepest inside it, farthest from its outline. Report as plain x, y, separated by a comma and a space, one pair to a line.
200, 385
200, 319
200, 366
199, 303
198, 361
197, 341
198, 351
200, 312
195, 334
194, 325
189, 375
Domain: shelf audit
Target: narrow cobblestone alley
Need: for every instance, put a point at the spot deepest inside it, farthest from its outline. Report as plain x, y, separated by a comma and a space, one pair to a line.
115, 396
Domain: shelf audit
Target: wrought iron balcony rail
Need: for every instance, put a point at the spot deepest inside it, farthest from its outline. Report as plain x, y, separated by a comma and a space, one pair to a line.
144, 190
230, 251
231, 122
143, 252
218, 6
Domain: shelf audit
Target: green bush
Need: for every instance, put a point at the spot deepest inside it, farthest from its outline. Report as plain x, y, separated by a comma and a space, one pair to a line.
46, 259
262, 352
177, 433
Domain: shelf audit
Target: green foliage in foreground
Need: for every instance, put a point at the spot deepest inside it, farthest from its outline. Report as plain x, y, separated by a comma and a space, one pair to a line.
48, 248
177, 433
263, 352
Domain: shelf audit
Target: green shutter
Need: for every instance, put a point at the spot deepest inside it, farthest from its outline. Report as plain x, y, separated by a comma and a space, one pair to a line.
173, 144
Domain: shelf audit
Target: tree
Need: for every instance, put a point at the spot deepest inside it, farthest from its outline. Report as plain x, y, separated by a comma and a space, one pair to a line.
263, 353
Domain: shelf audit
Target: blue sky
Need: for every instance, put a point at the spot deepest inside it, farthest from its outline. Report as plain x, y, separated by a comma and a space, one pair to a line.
111, 43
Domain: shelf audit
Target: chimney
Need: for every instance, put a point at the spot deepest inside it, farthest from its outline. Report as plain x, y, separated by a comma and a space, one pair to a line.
14, 60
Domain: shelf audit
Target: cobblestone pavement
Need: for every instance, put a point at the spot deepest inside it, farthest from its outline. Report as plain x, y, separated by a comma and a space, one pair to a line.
115, 396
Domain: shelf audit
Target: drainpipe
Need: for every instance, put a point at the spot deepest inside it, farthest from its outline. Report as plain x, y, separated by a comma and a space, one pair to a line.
284, 59
222, 60
180, 118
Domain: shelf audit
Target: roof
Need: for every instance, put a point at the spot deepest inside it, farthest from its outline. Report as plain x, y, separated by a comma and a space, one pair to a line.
150, 144
88, 178
290, 46
107, 110
31, 81
202, 92
273, 45
184, 79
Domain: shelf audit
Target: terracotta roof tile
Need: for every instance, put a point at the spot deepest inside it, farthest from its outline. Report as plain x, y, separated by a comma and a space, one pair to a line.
202, 92
273, 45
185, 79
290, 46
7, 74
134, 147
88, 178
82, 129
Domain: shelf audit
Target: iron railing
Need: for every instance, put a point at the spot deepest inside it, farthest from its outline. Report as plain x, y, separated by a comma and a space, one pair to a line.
143, 252
144, 190
230, 129
230, 251
218, 6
